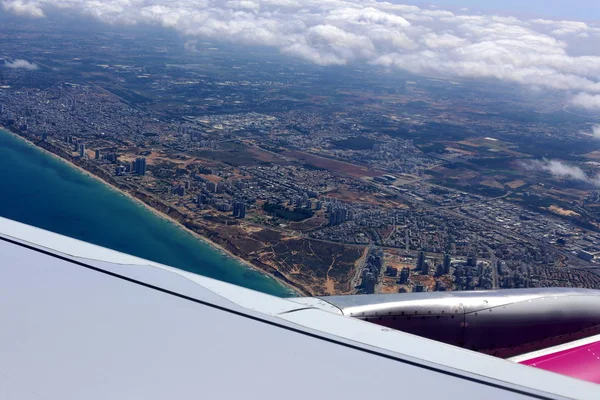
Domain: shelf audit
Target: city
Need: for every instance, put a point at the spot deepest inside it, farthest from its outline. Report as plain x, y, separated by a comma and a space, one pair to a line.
383, 191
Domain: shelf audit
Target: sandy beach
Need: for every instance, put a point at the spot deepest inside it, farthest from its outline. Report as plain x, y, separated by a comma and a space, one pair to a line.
156, 212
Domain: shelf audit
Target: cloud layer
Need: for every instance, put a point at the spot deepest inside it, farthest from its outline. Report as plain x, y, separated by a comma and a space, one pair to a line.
339, 32
560, 170
23, 7
21, 64
586, 100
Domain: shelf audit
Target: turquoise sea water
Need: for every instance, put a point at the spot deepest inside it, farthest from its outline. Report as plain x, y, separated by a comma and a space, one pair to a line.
39, 190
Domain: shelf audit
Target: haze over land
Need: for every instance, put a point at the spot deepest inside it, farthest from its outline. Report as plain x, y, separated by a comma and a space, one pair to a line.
540, 53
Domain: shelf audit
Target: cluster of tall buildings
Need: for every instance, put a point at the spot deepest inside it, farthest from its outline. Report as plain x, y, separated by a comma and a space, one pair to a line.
138, 167
372, 271
427, 268
237, 208
215, 187
339, 215
78, 146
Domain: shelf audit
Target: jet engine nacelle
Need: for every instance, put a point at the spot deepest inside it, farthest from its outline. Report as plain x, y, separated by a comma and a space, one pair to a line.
503, 323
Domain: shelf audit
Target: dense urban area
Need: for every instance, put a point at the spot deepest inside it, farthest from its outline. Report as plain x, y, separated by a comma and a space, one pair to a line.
335, 185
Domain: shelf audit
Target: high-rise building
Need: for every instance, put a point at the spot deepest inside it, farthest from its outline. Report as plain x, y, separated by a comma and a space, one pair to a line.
97, 155
82, 150
426, 268
239, 209
350, 216
421, 261
369, 280
439, 270
404, 276
220, 187
338, 216
447, 264
211, 187
140, 166
472, 261
1, 108
332, 221
112, 157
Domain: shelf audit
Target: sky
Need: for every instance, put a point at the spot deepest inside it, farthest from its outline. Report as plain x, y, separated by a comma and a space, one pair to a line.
539, 44
584, 10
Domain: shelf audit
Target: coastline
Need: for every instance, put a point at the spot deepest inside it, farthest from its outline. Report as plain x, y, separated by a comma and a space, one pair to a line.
224, 252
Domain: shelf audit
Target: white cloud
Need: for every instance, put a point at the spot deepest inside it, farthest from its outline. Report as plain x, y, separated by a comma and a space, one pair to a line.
563, 28
338, 32
561, 170
23, 7
586, 100
596, 131
21, 64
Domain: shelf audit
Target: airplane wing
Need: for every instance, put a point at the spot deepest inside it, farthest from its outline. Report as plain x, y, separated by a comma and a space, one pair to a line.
82, 322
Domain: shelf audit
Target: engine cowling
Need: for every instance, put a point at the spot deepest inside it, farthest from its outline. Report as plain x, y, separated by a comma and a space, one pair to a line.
503, 323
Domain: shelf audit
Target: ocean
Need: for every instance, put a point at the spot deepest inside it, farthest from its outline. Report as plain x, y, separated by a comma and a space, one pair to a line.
39, 190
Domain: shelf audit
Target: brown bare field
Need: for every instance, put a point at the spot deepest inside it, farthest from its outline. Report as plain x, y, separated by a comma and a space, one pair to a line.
376, 199
461, 151
568, 194
562, 211
516, 184
594, 155
497, 146
333, 165
157, 158
264, 156
461, 174
492, 184
470, 143
308, 224
389, 285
